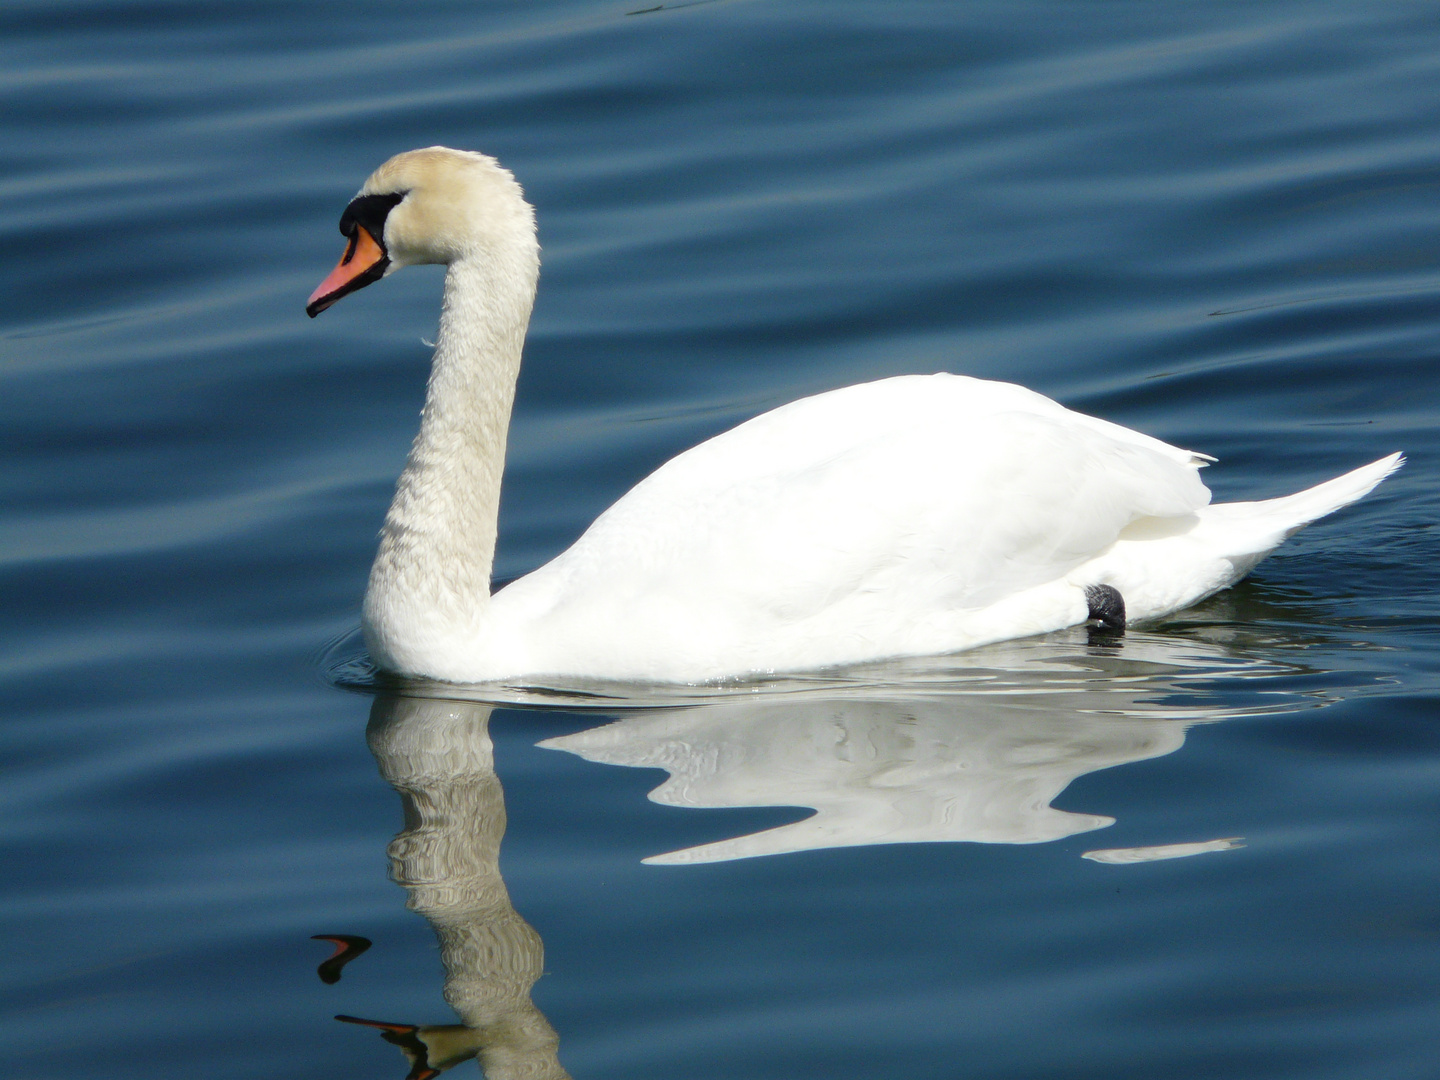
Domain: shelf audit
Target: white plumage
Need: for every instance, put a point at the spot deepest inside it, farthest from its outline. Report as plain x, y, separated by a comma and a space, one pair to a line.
915, 515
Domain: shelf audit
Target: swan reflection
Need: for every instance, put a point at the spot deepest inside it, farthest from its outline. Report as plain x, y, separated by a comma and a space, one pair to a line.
975, 754
438, 756
974, 749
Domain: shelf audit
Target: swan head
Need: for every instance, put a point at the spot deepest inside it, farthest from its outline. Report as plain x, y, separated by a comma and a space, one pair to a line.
435, 205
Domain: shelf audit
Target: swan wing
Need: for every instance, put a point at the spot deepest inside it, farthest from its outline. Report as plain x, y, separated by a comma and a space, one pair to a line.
865, 522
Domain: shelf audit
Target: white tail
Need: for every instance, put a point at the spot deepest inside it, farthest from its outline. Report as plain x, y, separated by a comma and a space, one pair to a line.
1260, 526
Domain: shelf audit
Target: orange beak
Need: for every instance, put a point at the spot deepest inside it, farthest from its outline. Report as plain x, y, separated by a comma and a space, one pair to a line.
364, 261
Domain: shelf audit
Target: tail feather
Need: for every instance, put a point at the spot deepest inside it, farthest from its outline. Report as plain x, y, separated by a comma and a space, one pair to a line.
1265, 524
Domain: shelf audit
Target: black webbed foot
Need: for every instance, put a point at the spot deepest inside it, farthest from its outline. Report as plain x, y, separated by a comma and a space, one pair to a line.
1107, 608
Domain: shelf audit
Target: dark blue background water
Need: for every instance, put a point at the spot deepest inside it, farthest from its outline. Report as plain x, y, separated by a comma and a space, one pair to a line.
1213, 222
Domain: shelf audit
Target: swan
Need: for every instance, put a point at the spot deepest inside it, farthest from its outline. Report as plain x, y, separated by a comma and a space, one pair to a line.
916, 515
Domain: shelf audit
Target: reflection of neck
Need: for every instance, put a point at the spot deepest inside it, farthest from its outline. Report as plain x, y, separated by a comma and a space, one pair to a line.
438, 755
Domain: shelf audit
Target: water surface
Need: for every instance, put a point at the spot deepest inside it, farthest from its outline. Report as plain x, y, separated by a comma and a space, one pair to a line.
1214, 223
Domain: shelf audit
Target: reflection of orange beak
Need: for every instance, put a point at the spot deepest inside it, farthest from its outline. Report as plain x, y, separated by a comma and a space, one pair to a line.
347, 948
364, 261
411, 1040
431, 1049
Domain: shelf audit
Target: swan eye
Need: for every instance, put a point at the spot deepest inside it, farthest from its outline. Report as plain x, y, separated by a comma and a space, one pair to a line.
368, 212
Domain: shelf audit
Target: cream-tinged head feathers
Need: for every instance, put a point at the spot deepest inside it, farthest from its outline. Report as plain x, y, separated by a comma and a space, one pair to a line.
431, 206
456, 204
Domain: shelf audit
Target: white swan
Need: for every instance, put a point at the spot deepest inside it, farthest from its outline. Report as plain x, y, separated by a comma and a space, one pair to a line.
911, 516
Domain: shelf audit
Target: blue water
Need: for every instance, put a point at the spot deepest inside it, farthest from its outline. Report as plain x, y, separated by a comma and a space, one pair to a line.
1213, 222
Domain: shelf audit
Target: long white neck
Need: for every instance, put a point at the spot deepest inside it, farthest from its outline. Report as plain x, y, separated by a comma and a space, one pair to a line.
430, 585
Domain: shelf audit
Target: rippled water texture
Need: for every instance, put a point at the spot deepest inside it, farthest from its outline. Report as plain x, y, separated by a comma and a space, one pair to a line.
1208, 851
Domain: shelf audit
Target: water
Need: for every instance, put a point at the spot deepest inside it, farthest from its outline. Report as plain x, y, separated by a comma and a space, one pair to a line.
1211, 222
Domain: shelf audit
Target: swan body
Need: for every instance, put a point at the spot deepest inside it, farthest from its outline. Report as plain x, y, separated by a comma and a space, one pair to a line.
910, 516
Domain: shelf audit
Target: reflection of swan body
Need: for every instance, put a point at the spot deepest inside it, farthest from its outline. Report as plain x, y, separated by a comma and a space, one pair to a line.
877, 772
980, 764
913, 516
437, 754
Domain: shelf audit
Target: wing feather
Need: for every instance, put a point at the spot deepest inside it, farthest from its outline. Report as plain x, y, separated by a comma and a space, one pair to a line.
909, 494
